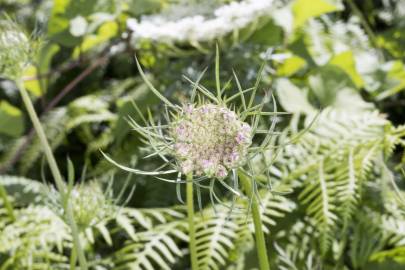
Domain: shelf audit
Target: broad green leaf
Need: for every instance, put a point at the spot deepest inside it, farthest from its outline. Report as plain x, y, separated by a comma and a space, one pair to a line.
57, 22
64, 11
292, 98
106, 31
300, 49
327, 81
346, 62
32, 86
395, 79
291, 66
306, 9
58, 26
270, 35
393, 40
11, 120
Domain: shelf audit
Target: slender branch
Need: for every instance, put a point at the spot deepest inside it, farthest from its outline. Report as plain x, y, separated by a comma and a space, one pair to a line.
55, 172
259, 234
191, 227
75, 82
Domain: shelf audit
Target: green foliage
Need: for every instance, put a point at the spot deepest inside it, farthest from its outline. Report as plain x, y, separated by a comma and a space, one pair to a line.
333, 197
11, 117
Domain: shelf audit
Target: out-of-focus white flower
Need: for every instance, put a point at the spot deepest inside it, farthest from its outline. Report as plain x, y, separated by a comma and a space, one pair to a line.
367, 62
200, 28
328, 38
284, 18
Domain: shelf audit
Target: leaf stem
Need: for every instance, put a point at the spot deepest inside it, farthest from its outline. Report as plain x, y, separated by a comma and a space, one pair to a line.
55, 173
191, 227
259, 234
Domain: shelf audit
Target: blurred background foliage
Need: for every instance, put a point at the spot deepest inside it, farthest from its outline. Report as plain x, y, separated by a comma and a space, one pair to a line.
343, 60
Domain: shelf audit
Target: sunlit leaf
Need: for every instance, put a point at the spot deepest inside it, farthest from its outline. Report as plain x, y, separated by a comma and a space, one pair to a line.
291, 65
346, 62
11, 119
306, 9
32, 85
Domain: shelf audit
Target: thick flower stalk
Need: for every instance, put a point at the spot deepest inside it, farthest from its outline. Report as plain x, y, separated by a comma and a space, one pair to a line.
208, 139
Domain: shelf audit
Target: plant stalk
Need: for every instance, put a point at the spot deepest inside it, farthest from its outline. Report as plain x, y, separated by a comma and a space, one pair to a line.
257, 221
55, 173
191, 227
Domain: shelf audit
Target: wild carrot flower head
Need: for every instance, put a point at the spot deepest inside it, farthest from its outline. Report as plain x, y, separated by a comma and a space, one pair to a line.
211, 137
209, 140
17, 49
91, 203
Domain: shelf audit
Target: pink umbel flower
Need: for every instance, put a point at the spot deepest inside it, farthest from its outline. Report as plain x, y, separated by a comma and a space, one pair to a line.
216, 142
211, 137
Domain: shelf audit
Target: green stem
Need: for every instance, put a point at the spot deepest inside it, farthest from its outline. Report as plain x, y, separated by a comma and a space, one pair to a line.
7, 203
191, 227
73, 260
257, 221
56, 174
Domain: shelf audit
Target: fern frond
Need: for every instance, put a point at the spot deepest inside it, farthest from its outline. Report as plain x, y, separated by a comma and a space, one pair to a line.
215, 234
329, 165
366, 239
153, 248
223, 235
24, 191
319, 197
34, 240
297, 245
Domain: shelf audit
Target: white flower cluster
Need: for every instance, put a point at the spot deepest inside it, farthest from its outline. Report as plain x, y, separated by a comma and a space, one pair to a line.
210, 140
392, 12
198, 28
329, 38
